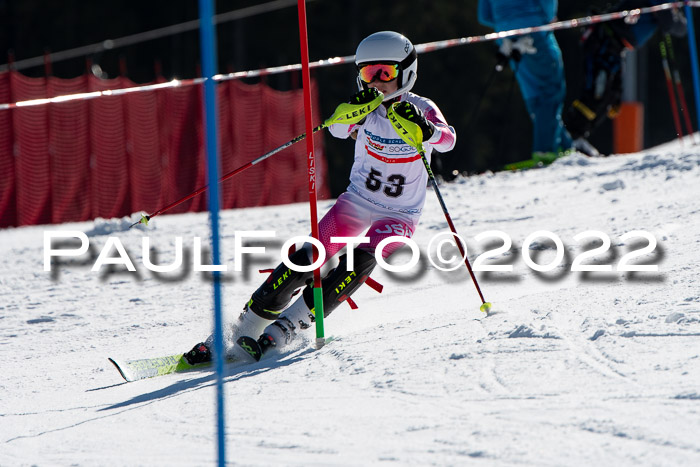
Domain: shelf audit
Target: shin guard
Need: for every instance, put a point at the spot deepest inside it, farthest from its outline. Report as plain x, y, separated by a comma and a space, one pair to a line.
340, 283
276, 292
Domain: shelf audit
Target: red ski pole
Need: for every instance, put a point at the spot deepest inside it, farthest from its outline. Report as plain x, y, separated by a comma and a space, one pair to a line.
671, 94
345, 113
145, 218
679, 87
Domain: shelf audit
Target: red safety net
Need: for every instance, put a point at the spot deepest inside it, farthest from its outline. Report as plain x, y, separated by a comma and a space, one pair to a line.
117, 155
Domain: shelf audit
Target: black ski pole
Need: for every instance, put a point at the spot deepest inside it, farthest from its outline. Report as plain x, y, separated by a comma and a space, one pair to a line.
497, 68
504, 113
413, 136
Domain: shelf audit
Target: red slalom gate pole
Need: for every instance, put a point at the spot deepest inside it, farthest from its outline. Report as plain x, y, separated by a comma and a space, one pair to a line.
306, 80
145, 218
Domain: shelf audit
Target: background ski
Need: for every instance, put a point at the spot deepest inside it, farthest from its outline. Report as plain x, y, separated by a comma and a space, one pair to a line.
526, 164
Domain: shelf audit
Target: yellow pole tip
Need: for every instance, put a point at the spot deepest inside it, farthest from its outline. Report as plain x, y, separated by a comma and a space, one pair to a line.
486, 307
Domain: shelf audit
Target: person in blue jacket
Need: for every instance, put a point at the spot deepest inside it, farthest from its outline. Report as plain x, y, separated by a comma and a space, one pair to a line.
636, 34
538, 68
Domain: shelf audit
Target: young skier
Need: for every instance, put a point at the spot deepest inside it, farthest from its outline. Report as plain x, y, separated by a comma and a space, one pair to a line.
385, 197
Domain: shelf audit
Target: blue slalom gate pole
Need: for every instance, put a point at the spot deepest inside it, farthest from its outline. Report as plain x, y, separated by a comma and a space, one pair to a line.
209, 57
693, 58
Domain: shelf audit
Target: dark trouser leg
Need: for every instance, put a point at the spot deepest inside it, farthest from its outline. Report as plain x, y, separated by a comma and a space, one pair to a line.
273, 296
276, 292
338, 285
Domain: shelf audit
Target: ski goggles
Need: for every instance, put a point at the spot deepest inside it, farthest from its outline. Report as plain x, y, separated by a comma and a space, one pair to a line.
382, 71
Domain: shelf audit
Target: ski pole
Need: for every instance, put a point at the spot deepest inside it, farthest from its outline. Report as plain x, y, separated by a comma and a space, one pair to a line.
345, 113
679, 86
504, 113
480, 100
669, 87
413, 136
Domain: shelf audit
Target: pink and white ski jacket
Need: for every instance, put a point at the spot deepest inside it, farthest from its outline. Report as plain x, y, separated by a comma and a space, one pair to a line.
387, 172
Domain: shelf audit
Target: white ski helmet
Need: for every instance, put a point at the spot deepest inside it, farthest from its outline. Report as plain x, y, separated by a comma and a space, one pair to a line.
389, 47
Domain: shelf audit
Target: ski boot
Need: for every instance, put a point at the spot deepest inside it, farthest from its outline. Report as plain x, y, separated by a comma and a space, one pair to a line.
583, 146
199, 354
256, 349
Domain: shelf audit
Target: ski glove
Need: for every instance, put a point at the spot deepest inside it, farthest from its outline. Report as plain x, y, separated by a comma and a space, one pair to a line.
411, 113
364, 97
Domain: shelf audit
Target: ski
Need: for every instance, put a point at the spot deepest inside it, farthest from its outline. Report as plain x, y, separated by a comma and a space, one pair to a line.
251, 347
539, 160
134, 370
143, 368
522, 165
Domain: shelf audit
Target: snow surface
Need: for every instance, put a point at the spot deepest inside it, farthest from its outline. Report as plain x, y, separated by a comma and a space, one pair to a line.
570, 368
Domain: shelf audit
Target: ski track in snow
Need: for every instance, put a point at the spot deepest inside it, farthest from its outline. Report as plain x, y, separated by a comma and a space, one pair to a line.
568, 369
